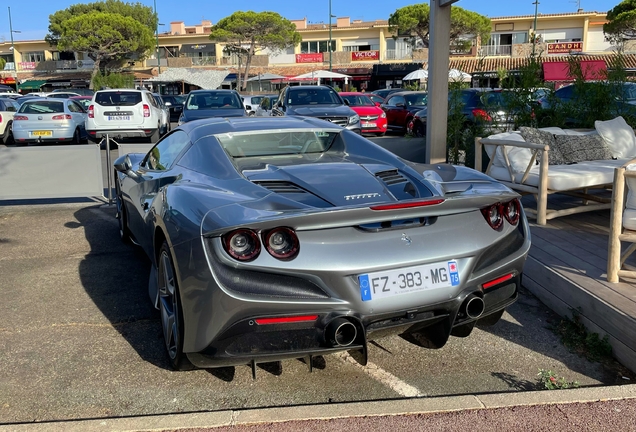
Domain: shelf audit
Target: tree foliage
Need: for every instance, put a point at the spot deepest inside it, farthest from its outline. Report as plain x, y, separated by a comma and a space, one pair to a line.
247, 33
414, 21
621, 22
106, 31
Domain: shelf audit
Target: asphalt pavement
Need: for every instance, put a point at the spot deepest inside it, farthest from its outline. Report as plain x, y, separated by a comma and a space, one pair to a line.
81, 349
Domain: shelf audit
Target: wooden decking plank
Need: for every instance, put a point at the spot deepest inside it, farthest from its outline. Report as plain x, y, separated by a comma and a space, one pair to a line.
573, 244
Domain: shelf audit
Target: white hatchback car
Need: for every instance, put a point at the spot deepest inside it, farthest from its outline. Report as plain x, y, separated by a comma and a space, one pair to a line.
124, 113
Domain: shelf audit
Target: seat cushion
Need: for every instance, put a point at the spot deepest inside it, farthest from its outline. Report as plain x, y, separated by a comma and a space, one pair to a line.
579, 148
519, 157
543, 137
619, 137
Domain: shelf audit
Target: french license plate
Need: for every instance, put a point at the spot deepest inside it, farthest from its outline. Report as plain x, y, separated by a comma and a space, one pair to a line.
42, 133
407, 280
118, 117
368, 125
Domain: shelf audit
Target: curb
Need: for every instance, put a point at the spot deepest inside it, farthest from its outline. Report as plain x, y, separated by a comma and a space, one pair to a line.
331, 411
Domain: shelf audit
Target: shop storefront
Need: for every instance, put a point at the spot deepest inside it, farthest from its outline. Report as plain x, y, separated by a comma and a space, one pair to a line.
390, 75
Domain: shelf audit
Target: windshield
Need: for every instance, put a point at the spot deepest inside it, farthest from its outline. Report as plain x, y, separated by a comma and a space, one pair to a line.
358, 100
271, 143
313, 96
419, 99
213, 100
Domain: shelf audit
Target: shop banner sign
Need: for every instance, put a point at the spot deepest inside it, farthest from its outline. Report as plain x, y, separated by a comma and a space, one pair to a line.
365, 55
309, 58
564, 47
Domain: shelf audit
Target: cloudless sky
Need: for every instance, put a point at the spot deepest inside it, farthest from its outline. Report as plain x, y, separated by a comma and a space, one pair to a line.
31, 17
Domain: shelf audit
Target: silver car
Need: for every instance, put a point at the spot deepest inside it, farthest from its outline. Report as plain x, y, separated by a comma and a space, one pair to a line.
49, 120
287, 237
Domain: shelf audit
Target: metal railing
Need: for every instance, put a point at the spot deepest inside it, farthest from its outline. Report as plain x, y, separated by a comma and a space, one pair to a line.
398, 54
495, 50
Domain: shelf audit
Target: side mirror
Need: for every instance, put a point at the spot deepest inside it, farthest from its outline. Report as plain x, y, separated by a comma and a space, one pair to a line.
378, 104
168, 104
124, 165
346, 101
400, 104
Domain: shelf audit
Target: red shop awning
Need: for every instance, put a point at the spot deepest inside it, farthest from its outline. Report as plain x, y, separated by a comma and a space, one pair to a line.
559, 71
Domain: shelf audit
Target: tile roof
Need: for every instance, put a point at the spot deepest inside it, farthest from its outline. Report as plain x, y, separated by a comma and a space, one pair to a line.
492, 64
540, 15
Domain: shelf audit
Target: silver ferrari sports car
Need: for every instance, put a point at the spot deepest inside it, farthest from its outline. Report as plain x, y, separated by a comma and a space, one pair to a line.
286, 237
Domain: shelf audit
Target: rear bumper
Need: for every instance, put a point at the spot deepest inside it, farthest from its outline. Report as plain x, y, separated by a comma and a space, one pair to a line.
428, 326
58, 134
97, 135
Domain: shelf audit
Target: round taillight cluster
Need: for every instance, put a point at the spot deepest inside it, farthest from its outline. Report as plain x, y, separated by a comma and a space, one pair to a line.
244, 244
496, 213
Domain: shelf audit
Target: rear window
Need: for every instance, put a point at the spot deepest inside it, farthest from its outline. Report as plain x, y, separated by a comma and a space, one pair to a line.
259, 143
313, 96
213, 100
42, 107
119, 98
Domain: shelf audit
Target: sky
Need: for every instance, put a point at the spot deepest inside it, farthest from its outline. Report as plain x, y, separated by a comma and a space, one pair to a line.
31, 17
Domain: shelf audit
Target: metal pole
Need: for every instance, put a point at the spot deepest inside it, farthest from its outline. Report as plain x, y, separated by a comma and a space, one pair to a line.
109, 173
15, 63
157, 33
329, 47
534, 39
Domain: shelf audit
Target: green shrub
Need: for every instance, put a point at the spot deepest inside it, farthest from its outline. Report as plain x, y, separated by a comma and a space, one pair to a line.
113, 80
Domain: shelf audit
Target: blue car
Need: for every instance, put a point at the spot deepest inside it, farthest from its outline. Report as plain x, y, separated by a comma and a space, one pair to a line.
202, 104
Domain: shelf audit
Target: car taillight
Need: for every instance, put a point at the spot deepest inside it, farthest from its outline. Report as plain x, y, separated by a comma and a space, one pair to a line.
282, 243
512, 211
0, 118
482, 115
496, 213
91, 111
62, 117
146, 111
19, 117
242, 244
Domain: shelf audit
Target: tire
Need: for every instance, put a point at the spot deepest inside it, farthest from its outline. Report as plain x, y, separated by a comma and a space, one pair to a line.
419, 130
251, 114
7, 137
77, 137
155, 135
170, 310
122, 218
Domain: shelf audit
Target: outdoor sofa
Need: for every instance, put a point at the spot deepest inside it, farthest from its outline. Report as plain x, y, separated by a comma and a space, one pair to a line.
554, 160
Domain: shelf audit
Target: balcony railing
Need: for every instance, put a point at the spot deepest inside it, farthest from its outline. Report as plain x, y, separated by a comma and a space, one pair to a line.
495, 50
398, 54
56, 65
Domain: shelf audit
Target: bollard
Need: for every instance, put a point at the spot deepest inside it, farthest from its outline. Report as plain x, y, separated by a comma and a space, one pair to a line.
109, 172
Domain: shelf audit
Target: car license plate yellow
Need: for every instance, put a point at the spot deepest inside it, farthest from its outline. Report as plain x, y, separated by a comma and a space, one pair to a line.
42, 133
407, 280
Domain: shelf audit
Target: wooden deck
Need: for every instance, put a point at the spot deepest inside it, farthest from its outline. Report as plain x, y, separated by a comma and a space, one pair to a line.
567, 269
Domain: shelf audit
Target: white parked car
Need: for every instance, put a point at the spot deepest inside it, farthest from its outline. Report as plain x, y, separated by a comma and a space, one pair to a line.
49, 120
124, 113
8, 108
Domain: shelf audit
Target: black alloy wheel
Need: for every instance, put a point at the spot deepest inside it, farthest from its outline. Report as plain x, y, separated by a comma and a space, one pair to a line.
122, 219
419, 130
170, 310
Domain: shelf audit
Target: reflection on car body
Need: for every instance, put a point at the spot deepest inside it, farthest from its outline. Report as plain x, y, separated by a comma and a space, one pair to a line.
287, 237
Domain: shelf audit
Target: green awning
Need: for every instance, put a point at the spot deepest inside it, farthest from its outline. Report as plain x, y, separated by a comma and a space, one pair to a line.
31, 85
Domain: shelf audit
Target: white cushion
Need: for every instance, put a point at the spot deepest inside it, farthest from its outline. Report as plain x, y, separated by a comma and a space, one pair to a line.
629, 219
519, 157
630, 203
567, 177
619, 136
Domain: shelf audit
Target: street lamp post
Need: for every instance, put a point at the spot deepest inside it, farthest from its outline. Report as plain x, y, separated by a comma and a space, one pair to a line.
15, 63
157, 38
534, 39
329, 47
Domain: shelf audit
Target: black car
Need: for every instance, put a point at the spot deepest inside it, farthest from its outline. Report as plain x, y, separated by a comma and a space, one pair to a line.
319, 101
384, 93
202, 104
400, 108
479, 106
176, 105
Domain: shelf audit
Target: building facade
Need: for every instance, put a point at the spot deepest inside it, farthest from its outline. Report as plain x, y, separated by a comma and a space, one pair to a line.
366, 50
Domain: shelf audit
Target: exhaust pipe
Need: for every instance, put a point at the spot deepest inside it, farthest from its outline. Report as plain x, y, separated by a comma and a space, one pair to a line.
340, 332
474, 306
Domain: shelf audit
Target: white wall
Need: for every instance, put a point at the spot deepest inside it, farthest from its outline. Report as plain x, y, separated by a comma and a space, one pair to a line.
596, 40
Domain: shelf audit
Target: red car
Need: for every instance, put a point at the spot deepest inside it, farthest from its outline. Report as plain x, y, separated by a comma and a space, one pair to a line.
372, 117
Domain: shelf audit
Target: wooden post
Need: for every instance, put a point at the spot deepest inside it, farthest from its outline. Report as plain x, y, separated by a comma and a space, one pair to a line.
438, 61
542, 199
616, 225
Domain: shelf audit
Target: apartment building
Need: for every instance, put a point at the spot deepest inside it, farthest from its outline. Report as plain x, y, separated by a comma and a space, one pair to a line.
366, 50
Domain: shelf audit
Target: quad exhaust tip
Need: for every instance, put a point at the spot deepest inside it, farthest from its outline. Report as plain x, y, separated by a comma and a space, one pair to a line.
340, 332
